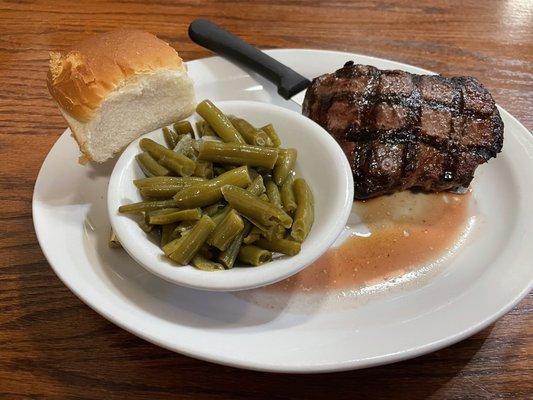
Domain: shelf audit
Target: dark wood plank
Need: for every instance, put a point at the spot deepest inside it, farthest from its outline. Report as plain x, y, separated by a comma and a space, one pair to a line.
53, 346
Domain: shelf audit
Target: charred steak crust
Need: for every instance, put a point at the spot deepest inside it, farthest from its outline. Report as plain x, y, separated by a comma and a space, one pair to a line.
405, 131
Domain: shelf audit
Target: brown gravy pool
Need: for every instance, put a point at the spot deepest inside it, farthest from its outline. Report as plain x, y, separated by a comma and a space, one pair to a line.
407, 230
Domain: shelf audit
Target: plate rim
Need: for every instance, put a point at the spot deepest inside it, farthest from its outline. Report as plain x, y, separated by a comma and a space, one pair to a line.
268, 367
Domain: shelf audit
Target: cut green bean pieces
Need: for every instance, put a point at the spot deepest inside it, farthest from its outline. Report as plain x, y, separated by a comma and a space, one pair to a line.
171, 137
304, 214
143, 223
160, 218
271, 232
218, 217
150, 166
284, 246
226, 231
219, 122
181, 229
250, 134
182, 250
272, 134
175, 162
284, 165
186, 146
166, 232
210, 191
231, 195
205, 264
204, 129
113, 242
257, 211
168, 180
287, 195
183, 128
252, 236
213, 209
160, 192
204, 169
229, 256
146, 206
272, 192
253, 255
257, 187
238, 154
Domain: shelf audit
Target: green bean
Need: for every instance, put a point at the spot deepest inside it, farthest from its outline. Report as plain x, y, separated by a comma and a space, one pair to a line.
284, 165
280, 232
113, 241
257, 187
261, 213
204, 169
160, 192
181, 228
143, 223
271, 232
271, 133
252, 236
146, 206
162, 211
219, 122
287, 195
180, 165
199, 125
204, 129
166, 232
205, 264
272, 192
264, 197
284, 246
254, 255
213, 209
218, 217
250, 134
304, 215
150, 166
159, 218
226, 231
171, 137
186, 147
176, 162
228, 256
209, 192
183, 128
182, 250
238, 154
168, 180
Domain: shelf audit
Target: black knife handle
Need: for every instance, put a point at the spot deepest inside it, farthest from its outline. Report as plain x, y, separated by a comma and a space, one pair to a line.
211, 36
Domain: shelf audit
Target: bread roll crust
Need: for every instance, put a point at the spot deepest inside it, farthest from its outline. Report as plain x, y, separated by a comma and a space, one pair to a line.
81, 79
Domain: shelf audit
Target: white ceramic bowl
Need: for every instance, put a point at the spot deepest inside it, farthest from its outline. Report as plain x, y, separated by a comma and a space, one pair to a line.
320, 161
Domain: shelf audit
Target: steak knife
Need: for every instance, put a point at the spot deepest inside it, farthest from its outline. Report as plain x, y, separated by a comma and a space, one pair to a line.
291, 85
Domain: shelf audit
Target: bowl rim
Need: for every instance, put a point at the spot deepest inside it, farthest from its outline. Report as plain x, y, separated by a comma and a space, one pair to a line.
258, 276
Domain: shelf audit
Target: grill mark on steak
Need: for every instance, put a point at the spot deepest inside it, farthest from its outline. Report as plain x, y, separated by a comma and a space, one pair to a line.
405, 131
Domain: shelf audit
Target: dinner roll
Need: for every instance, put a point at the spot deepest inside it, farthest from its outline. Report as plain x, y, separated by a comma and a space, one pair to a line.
114, 87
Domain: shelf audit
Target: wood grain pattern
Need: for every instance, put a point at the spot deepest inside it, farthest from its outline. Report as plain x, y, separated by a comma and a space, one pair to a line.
53, 346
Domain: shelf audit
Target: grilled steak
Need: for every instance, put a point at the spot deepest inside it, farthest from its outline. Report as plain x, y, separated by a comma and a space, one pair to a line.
404, 131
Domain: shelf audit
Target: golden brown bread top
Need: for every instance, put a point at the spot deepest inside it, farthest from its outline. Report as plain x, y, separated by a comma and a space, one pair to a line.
81, 79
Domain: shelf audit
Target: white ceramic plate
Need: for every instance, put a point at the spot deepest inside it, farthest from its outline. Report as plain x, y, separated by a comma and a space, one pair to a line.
481, 282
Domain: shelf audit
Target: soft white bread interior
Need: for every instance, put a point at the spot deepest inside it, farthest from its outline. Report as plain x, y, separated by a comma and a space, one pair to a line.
116, 86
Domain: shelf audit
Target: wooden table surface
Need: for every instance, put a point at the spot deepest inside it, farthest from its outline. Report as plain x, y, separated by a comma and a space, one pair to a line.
54, 346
